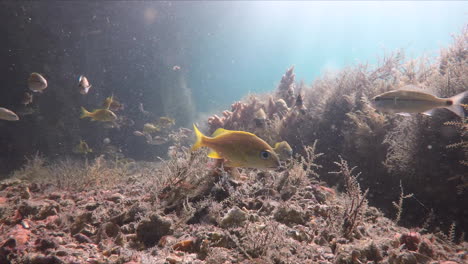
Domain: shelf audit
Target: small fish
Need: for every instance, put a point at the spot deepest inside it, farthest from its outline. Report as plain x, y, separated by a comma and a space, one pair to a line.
142, 110
8, 115
125, 121
407, 101
260, 118
84, 85
238, 149
103, 115
283, 150
150, 128
112, 104
300, 104
166, 122
157, 140
37, 83
82, 148
138, 133
27, 98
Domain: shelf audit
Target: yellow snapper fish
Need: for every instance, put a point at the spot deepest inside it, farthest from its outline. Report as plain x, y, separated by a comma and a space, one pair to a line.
103, 115
409, 100
150, 128
283, 150
37, 83
112, 104
84, 85
165, 121
238, 149
8, 115
82, 148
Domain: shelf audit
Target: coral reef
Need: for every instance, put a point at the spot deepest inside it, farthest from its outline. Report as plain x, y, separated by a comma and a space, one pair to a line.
183, 211
336, 110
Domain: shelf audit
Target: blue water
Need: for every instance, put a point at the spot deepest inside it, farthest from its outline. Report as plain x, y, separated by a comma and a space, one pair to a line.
242, 47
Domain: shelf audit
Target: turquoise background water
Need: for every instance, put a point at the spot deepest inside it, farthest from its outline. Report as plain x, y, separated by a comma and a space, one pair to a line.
242, 47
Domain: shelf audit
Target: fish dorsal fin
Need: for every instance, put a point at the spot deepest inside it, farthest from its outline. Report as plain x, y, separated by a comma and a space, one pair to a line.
416, 92
214, 155
219, 131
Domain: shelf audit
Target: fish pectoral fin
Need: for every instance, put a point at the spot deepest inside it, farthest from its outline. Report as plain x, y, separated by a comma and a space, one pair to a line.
214, 155
403, 114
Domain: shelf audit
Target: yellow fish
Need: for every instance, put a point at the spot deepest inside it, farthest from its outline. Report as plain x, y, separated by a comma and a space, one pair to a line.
103, 115
82, 148
150, 128
410, 100
165, 121
238, 148
283, 150
111, 104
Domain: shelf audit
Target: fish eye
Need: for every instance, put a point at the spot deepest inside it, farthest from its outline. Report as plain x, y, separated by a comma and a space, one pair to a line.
265, 154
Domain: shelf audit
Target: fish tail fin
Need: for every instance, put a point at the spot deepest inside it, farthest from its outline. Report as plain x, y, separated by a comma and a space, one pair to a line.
85, 113
200, 137
456, 104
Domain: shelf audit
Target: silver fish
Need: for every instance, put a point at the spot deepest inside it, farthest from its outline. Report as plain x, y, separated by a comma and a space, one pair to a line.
138, 133
7, 114
407, 100
37, 83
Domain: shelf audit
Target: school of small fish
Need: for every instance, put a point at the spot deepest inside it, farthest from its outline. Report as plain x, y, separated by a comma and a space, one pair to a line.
236, 148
